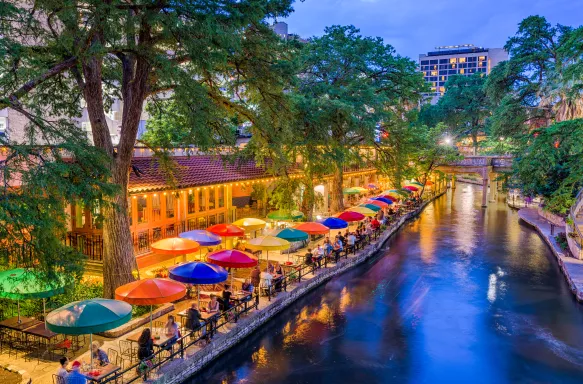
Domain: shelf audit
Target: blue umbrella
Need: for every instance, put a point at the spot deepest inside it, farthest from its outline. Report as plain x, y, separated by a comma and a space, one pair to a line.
204, 238
383, 199
334, 223
197, 273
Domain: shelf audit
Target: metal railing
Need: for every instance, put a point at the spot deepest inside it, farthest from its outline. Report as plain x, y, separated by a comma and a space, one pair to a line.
575, 208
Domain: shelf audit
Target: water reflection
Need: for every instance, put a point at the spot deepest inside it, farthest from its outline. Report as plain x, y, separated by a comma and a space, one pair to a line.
461, 295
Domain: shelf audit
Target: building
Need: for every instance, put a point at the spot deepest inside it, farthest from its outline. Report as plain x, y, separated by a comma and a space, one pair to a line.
465, 59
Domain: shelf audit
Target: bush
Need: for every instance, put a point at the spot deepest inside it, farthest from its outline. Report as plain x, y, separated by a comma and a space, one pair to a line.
561, 240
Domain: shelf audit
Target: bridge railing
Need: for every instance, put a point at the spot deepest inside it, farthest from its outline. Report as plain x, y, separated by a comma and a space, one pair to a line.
483, 161
574, 228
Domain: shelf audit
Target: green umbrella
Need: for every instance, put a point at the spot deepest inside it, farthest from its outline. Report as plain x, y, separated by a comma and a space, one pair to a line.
372, 207
290, 234
350, 191
89, 317
285, 215
22, 284
417, 183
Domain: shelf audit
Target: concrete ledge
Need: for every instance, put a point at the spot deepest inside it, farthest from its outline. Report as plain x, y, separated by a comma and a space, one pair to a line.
468, 181
26, 379
572, 268
193, 363
137, 323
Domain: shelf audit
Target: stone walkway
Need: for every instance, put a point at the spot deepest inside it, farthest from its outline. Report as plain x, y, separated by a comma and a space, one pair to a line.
572, 268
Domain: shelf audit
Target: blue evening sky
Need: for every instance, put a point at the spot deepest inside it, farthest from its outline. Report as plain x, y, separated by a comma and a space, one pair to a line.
417, 26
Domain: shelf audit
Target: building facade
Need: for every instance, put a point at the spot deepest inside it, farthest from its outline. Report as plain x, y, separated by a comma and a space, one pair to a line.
466, 59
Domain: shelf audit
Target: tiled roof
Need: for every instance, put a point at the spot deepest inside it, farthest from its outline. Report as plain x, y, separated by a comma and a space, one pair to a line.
190, 172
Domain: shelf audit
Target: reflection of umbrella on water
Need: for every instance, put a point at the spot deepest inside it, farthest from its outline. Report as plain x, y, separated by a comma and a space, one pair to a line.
198, 273
22, 284
89, 317
150, 292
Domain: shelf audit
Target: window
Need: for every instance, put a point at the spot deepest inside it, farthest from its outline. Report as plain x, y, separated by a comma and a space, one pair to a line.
212, 198
472, 59
442, 89
462, 71
3, 125
452, 72
452, 66
201, 200
443, 61
424, 62
433, 62
96, 218
480, 63
433, 73
191, 202
191, 224
453, 60
481, 58
156, 208
170, 205
221, 193
212, 220
442, 78
142, 209
221, 218
462, 60
202, 223
79, 215
130, 211
435, 67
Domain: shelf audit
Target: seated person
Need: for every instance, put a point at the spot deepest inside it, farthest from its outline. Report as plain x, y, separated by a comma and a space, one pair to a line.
270, 268
194, 320
319, 255
62, 370
213, 305
375, 224
266, 279
255, 276
278, 269
171, 331
337, 248
145, 345
248, 286
98, 354
226, 298
75, 377
308, 257
351, 240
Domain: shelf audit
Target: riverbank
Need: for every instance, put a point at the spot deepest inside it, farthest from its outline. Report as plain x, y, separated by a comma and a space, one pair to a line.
181, 369
571, 268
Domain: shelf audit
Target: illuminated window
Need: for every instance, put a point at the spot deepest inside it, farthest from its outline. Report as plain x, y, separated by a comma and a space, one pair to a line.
462, 71
221, 218
130, 210
142, 209
480, 63
433, 89
442, 89
435, 67
80, 215
481, 58
462, 60
202, 223
221, 192
433, 73
170, 205
96, 218
202, 200
453, 66
156, 208
212, 198
191, 202
453, 60
442, 78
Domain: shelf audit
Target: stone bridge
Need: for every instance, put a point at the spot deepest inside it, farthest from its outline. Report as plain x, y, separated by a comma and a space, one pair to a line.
486, 166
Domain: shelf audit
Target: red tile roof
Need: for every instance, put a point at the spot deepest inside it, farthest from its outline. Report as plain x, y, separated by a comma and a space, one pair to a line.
190, 172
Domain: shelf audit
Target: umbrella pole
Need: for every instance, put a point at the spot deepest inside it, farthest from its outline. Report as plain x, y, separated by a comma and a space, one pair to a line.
18, 310
198, 296
45, 312
90, 351
151, 330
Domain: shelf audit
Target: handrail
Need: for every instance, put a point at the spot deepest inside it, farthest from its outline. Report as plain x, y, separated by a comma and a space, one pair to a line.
573, 214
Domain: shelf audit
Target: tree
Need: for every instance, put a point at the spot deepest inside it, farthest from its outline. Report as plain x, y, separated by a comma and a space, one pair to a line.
217, 58
465, 106
352, 84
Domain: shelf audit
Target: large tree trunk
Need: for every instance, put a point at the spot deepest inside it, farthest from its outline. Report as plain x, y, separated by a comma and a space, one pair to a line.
308, 199
475, 143
337, 204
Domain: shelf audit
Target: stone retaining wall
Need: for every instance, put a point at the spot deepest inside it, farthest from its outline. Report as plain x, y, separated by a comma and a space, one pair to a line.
555, 219
246, 326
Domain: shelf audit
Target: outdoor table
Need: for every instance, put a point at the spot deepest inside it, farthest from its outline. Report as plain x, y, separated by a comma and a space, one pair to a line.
25, 322
104, 371
158, 336
42, 333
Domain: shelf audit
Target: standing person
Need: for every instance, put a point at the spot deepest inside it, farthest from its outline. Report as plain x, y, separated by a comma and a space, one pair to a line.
227, 297
255, 276
337, 248
145, 345
98, 354
62, 370
75, 377
351, 241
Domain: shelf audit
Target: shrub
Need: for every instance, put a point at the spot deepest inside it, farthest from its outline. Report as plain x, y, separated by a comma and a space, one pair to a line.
561, 240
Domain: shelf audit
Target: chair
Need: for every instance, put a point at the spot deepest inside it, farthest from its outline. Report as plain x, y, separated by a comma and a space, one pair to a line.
127, 350
158, 324
58, 379
113, 354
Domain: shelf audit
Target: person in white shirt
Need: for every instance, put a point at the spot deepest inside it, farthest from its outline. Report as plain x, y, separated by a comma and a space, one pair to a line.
351, 239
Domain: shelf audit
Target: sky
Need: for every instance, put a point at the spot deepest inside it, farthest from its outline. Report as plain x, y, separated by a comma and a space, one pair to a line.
418, 26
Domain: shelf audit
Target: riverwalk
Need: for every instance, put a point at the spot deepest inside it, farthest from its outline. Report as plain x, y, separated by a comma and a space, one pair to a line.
572, 268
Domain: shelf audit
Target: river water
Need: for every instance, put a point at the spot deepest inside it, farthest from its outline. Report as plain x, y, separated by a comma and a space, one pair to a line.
461, 295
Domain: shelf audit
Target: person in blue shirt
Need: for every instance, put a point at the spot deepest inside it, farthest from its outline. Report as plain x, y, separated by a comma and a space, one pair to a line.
75, 377
99, 354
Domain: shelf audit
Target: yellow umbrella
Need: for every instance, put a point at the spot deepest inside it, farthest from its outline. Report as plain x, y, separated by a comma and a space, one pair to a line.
363, 210
360, 189
250, 224
267, 243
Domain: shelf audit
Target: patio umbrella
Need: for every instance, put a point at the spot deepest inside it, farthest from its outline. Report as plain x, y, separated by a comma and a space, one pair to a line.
372, 186
363, 210
89, 317
175, 246
350, 216
197, 273
334, 223
22, 284
360, 189
150, 292
250, 224
290, 234
372, 207
313, 228
283, 215
414, 182
429, 183
411, 188
405, 192
204, 238
378, 203
350, 191
268, 243
226, 230
383, 199
232, 258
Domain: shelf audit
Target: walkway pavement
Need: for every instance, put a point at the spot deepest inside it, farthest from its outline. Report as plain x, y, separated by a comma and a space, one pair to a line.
572, 268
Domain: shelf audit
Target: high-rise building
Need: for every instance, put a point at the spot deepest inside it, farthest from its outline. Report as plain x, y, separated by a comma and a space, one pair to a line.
465, 59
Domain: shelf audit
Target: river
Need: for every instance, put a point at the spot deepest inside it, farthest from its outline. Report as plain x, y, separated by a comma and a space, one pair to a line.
460, 295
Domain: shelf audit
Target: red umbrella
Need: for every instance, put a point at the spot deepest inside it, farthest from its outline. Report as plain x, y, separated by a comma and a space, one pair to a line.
411, 188
313, 228
378, 203
350, 216
150, 292
232, 258
392, 198
226, 230
175, 246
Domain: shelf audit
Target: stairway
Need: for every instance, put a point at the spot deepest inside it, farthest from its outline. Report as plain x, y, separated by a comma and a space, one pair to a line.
94, 268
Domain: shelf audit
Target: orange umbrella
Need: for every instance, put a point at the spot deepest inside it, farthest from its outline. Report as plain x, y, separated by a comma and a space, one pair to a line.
175, 246
429, 183
150, 292
313, 228
226, 230
378, 203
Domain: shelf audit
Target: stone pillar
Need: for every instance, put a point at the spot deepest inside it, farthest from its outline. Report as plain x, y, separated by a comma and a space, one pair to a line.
485, 192
493, 187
